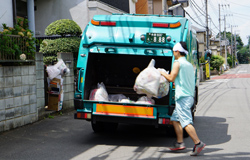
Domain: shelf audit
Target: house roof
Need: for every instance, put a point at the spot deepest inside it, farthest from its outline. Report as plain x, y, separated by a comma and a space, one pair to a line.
198, 29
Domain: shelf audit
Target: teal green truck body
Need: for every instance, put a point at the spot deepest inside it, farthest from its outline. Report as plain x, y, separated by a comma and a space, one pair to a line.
111, 46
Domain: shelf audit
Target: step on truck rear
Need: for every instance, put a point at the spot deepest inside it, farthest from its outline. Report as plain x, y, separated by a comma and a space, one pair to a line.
112, 46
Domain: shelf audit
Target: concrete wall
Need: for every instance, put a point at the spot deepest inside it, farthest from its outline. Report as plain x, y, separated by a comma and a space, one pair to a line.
18, 98
6, 13
22, 92
40, 95
81, 11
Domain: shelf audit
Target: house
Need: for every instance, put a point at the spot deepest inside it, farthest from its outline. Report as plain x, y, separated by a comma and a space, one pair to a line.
201, 37
215, 46
41, 13
157, 7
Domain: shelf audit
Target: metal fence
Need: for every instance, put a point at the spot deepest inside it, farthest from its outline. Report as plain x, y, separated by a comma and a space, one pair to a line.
12, 46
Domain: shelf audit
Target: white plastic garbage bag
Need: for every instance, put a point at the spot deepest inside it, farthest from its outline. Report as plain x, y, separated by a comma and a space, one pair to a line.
99, 94
145, 100
52, 72
148, 81
64, 70
58, 69
164, 85
116, 97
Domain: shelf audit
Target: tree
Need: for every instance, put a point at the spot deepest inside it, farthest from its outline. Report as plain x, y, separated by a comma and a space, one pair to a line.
239, 43
243, 55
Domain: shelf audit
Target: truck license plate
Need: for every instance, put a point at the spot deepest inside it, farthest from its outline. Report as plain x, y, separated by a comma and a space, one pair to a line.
156, 38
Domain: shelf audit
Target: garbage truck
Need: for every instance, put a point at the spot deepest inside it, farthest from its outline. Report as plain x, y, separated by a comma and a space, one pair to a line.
113, 50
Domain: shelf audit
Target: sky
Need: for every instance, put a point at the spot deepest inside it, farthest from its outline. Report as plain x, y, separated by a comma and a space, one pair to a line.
236, 12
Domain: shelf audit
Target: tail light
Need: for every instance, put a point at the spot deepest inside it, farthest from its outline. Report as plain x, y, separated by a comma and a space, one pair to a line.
167, 25
161, 25
103, 23
82, 115
164, 121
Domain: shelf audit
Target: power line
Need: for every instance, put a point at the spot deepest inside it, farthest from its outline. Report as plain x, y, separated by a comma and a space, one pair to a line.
196, 14
197, 7
238, 4
191, 16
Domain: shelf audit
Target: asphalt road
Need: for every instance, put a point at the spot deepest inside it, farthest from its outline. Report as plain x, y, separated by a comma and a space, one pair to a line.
222, 122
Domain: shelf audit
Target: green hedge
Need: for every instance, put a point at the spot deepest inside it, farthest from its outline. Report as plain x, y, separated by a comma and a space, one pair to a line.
63, 27
70, 44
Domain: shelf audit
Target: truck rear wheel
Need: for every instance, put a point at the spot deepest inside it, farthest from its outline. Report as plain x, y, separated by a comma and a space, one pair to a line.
104, 126
97, 127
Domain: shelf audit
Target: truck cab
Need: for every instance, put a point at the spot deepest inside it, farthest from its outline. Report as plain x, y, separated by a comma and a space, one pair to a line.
112, 46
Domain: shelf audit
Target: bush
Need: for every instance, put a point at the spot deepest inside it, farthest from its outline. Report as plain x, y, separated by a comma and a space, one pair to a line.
23, 43
70, 44
216, 62
63, 27
202, 60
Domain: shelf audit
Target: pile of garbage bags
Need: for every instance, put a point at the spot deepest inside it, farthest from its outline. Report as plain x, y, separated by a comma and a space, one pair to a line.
149, 82
101, 94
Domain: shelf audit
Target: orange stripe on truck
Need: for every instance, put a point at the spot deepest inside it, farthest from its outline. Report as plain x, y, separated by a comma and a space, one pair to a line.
123, 110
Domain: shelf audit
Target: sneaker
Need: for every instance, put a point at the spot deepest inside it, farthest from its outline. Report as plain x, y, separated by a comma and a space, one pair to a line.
178, 146
197, 149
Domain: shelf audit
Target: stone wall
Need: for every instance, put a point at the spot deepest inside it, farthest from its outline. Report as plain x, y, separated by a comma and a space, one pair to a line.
18, 98
22, 92
40, 85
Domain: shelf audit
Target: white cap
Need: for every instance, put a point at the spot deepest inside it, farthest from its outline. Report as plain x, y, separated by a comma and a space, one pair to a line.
178, 47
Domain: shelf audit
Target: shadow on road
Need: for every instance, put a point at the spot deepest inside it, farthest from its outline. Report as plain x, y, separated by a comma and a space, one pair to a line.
66, 138
212, 130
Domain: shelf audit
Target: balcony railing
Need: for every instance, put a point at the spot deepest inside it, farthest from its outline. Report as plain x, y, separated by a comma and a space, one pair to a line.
12, 46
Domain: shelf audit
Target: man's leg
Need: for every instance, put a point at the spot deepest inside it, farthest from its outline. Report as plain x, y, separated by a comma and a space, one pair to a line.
179, 131
199, 146
192, 133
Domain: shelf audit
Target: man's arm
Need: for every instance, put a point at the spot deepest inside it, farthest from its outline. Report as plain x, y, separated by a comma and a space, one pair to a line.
171, 77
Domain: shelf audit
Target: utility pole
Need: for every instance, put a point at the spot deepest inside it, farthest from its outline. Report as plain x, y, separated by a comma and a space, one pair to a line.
231, 40
220, 30
225, 37
207, 37
235, 52
232, 53
164, 7
248, 42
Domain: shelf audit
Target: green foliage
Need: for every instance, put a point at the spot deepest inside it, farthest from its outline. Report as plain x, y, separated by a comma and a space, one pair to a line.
202, 60
49, 59
50, 116
70, 44
230, 60
243, 55
238, 39
24, 42
63, 27
216, 61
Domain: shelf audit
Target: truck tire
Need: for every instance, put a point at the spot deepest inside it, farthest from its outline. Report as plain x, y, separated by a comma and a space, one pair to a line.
97, 127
